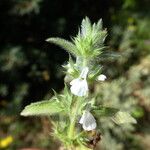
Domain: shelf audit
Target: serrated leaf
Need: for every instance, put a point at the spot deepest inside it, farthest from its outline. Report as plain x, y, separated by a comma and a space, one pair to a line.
46, 108
104, 111
123, 117
68, 46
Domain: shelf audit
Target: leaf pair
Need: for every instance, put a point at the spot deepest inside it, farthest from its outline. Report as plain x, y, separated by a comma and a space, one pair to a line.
51, 107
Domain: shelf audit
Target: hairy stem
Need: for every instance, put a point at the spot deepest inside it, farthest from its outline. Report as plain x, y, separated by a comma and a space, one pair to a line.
71, 131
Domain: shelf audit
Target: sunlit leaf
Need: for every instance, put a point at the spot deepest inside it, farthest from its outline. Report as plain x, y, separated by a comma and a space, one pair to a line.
104, 111
66, 45
110, 55
49, 107
123, 117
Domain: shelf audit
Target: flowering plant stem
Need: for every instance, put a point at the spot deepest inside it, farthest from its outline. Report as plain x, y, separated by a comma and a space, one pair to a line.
78, 102
71, 131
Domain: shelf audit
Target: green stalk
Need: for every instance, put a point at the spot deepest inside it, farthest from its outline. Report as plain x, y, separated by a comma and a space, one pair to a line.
82, 148
84, 62
71, 131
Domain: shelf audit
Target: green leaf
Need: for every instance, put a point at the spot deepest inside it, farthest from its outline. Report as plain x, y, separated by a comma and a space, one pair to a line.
49, 107
68, 46
66, 98
123, 117
104, 111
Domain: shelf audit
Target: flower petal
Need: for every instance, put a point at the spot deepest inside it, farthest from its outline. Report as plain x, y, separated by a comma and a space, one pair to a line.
89, 127
84, 73
101, 77
88, 121
74, 81
79, 87
82, 119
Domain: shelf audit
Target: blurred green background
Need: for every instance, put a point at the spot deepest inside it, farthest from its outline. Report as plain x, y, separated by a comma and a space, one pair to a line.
30, 67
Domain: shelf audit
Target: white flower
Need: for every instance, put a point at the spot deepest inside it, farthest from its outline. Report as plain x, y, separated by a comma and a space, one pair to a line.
88, 121
79, 86
101, 77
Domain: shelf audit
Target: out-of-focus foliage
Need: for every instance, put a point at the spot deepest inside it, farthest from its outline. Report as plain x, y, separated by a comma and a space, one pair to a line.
26, 6
129, 93
29, 66
130, 88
